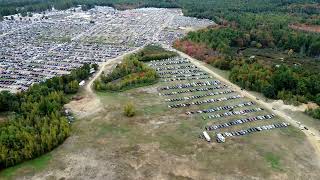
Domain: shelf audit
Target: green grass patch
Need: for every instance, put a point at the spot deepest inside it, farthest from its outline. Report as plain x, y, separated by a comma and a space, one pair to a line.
177, 140
173, 143
132, 86
112, 129
154, 109
28, 166
112, 97
293, 132
273, 160
185, 128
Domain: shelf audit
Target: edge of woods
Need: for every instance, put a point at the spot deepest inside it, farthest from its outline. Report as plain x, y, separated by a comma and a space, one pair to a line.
35, 121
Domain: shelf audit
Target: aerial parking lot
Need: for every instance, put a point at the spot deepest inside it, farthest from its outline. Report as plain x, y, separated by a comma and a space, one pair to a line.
49, 44
221, 112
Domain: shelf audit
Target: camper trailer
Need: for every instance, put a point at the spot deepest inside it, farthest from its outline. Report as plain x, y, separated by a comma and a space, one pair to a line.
206, 135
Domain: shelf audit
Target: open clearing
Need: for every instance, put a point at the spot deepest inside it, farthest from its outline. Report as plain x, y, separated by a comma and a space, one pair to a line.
162, 143
305, 27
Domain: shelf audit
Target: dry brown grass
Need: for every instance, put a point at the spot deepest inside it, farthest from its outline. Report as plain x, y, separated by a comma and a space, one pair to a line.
305, 27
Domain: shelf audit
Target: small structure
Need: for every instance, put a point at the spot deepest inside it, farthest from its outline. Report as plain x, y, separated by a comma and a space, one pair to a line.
206, 135
92, 71
82, 83
220, 138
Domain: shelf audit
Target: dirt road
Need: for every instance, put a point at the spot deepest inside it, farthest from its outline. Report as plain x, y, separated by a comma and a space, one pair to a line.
312, 134
108, 65
90, 104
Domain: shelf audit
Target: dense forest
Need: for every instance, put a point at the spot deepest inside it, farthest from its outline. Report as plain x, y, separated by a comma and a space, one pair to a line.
36, 123
133, 72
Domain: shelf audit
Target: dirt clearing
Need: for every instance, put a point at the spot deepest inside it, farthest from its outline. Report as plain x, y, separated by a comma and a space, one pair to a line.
306, 28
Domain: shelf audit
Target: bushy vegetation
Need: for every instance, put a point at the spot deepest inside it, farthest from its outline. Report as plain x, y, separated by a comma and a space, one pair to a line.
37, 123
315, 113
129, 110
154, 52
132, 72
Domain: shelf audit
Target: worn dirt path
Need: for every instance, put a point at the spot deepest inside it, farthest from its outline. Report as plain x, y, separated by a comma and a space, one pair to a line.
106, 66
90, 103
312, 134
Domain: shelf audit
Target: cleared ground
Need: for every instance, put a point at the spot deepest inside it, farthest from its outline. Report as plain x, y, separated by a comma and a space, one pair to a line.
305, 27
163, 143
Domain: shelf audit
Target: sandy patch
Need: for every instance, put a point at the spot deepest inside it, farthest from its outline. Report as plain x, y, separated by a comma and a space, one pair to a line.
85, 107
279, 104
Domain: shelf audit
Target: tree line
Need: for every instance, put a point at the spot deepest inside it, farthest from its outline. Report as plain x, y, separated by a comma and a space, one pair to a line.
37, 123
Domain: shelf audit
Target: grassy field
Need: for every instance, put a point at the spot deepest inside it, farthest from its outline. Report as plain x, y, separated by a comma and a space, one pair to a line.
28, 168
163, 143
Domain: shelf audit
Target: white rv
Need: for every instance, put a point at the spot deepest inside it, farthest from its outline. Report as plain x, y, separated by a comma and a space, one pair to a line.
206, 135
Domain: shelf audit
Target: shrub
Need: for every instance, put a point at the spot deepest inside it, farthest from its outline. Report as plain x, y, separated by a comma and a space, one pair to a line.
222, 64
269, 91
129, 110
315, 113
